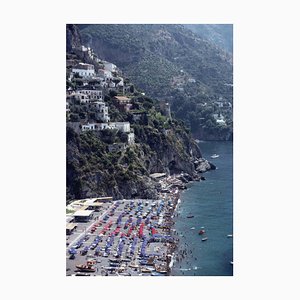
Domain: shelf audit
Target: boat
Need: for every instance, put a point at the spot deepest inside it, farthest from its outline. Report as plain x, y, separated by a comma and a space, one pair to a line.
157, 274
202, 231
190, 216
161, 269
133, 265
115, 260
86, 268
204, 239
146, 270
229, 235
231, 262
82, 274
215, 156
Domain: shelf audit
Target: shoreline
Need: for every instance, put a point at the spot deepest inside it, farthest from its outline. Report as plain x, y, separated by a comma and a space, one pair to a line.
174, 194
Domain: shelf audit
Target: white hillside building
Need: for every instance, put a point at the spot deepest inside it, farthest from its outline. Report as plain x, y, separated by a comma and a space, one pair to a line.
130, 138
110, 66
122, 126
84, 70
93, 95
101, 110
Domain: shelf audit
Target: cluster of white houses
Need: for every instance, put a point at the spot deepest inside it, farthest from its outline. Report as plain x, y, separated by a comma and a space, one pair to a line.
91, 97
87, 71
122, 126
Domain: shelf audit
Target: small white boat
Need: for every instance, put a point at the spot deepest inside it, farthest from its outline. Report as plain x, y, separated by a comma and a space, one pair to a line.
215, 156
229, 235
231, 262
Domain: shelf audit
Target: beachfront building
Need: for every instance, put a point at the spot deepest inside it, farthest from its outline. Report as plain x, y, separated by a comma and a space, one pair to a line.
92, 201
84, 70
92, 204
70, 228
83, 215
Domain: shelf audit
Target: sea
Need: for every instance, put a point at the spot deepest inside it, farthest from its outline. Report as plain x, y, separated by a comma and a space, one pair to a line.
211, 203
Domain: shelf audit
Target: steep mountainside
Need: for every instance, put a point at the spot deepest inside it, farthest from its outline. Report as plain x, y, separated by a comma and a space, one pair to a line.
73, 38
161, 145
169, 62
218, 34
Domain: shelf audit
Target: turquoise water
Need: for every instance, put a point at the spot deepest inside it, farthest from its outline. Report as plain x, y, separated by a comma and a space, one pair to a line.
210, 202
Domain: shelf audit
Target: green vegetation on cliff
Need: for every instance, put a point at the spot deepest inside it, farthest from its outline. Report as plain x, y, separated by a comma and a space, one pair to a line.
161, 145
172, 63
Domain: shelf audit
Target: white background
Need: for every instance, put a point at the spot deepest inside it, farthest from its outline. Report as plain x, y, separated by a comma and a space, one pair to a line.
266, 149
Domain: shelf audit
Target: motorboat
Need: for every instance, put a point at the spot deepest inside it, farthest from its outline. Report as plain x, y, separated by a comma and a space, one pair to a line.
157, 274
190, 216
215, 156
82, 274
161, 269
202, 231
146, 270
229, 235
204, 239
86, 268
133, 265
115, 260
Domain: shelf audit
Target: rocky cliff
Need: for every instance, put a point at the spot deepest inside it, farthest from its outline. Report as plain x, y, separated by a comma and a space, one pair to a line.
73, 38
92, 170
161, 144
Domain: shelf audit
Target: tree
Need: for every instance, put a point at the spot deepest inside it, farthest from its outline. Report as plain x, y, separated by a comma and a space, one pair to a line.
123, 137
116, 80
113, 93
74, 117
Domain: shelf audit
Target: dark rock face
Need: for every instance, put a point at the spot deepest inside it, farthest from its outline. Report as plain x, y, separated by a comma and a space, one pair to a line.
212, 166
202, 165
73, 38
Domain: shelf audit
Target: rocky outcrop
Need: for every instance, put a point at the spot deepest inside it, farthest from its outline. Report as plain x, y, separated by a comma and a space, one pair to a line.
73, 38
202, 165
